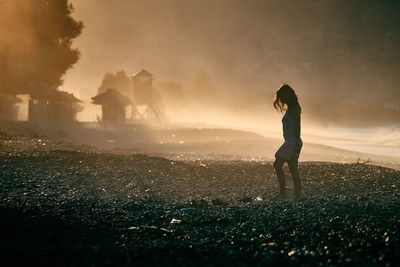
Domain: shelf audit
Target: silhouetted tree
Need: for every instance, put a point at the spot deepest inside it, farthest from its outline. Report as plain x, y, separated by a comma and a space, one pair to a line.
35, 43
120, 81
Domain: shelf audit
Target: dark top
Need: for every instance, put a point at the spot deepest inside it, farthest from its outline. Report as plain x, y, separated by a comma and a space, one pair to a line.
291, 134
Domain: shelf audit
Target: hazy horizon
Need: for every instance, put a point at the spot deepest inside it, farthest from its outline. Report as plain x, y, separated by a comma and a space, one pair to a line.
228, 57
345, 51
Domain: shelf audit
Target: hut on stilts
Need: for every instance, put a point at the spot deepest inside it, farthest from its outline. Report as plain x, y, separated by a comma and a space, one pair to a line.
144, 107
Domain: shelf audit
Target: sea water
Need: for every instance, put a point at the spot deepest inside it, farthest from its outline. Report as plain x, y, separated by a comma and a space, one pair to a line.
377, 140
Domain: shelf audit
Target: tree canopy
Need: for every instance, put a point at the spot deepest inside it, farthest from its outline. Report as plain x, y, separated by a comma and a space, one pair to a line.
120, 81
35, 43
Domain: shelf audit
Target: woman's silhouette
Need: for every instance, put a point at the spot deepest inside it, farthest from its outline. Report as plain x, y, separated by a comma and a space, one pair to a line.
286, 100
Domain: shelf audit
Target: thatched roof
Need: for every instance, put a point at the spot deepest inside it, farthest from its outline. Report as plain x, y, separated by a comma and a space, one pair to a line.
42, 90
111, 97
63, 96
38, 89
56, 96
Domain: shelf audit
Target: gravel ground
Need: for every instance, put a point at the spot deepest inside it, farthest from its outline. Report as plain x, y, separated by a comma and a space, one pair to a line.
65, 204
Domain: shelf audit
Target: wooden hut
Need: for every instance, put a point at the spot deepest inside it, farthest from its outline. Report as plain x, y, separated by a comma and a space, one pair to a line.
65, 107
113, 105
8, 109
52, 106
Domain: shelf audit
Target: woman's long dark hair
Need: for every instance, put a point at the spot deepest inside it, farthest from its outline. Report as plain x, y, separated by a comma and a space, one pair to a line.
286, 95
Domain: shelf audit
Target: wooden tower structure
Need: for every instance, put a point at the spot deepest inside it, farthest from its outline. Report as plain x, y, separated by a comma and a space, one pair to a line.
143, 105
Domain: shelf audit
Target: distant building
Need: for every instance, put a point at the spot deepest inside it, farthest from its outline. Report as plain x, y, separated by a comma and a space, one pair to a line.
143, 95
8, 109
113, 105
142, 85
65, 107
52, 106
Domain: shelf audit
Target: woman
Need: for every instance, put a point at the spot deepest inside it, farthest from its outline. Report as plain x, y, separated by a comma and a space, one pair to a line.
286, 100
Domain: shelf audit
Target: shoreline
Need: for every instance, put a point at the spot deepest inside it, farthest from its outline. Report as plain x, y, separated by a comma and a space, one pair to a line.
175, 143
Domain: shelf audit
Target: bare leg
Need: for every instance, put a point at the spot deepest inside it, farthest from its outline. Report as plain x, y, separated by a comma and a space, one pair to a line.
295, 175
278, 165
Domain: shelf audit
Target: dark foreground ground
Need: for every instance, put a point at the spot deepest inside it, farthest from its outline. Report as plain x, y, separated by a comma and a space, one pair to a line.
68, 207
62, 203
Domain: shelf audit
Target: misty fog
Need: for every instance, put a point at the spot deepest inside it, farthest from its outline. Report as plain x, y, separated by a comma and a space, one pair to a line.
219, 63
344, 51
